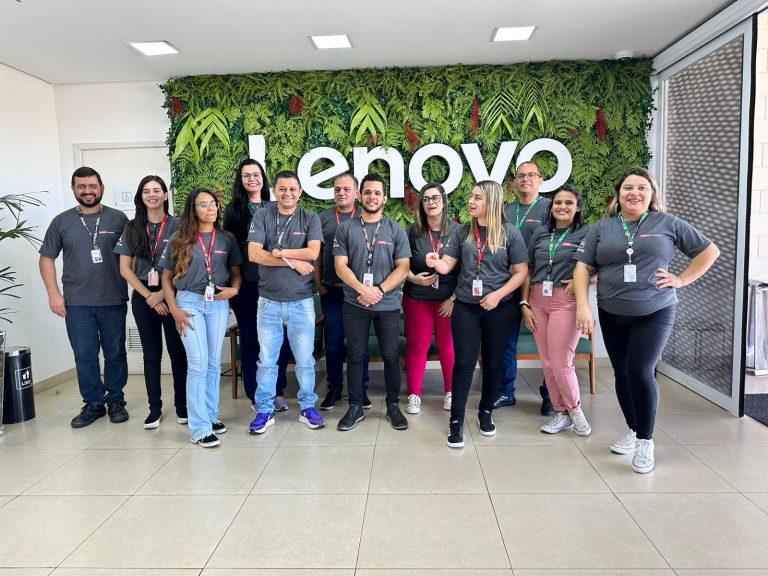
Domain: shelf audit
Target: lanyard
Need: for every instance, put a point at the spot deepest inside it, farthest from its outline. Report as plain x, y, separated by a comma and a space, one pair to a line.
435, 245
631, 237
480, 248
370, 245
153, 247
95, 233
338, 215
280, 232
208, 254
518, 222
553, 249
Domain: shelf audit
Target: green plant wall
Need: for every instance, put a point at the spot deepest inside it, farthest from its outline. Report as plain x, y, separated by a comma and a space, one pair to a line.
599, 110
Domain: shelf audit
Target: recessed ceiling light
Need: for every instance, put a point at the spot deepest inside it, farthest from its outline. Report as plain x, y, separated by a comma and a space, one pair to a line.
333, 41
154, 48
510, 33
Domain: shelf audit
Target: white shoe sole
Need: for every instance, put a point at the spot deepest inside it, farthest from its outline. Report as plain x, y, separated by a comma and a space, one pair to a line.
456, 444
182, 420
644, 469
210, 444
304, 420
582, 433
492, 433
153, 425
547, 430
220, 431
261, 430
362, 417
621, 450
412, 409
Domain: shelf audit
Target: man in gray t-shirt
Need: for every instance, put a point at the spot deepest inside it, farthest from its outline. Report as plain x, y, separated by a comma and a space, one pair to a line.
94, 301
372, 258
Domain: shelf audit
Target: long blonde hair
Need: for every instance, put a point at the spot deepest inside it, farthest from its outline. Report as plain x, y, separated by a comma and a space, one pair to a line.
657, 204
494, 210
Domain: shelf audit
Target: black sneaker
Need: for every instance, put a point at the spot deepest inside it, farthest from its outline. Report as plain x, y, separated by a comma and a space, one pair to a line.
546, 407
117, 413
353, 416
367, 404
153, 420
504, 400
456, 434
332, 399
485, 423
210, 441
396, 417
181, 415
218, 427
88, 415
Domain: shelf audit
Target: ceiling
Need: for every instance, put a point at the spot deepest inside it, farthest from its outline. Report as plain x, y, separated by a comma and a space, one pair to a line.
76, 41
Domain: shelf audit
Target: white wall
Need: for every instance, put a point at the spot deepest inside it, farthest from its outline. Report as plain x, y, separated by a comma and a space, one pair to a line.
29, 161
758, 237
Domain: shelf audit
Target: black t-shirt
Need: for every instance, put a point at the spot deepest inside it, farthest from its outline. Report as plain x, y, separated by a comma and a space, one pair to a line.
420, 247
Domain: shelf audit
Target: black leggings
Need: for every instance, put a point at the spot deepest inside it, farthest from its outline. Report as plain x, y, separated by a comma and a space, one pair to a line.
476, 330
634, 345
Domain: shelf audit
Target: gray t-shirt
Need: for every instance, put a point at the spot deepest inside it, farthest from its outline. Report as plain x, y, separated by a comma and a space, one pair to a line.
527, 221
420, 247
391, 244
329, 223
494, 270
282, 283
142, 266
563, 262
87, 283
251, 269
226, 254
605, 249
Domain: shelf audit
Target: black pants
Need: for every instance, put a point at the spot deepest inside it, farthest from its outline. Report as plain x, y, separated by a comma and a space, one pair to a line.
357, 324
634, 345
151, 326
486, 332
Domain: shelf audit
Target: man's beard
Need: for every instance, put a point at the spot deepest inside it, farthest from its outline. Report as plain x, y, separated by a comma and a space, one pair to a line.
369, 211
87, 204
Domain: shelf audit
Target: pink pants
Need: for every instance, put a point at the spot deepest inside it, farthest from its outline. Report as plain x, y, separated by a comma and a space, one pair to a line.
556, 338
421, 318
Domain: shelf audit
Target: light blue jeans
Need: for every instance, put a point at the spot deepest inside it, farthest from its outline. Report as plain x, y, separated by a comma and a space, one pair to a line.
299, 318
203, 347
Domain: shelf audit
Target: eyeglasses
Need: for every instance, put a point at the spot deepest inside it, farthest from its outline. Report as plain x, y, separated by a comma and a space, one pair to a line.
528, 175
254, 176
206, 205
431, 199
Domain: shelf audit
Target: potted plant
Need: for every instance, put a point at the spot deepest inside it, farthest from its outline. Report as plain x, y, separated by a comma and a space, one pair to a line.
13, 205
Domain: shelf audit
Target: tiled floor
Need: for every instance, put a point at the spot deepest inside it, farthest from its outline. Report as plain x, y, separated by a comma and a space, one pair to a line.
116, 500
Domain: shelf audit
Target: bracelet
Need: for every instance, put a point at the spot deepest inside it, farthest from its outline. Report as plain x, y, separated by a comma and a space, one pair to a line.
380, 288
525, 303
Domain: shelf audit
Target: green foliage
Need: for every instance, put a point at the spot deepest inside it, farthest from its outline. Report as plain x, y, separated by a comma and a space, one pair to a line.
348, 108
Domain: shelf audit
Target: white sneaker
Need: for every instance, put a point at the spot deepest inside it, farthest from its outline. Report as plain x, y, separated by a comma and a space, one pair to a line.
414, 404
642, 461
447, 401
559, 423
626, 445
580, 425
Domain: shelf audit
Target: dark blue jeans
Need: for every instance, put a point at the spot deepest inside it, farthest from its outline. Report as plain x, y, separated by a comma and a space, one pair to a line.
335, 351
510, 366
245, 307
89, 329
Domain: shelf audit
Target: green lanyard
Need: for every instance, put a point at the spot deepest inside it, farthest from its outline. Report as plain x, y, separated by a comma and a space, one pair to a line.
518, 222
553, 248
631, 237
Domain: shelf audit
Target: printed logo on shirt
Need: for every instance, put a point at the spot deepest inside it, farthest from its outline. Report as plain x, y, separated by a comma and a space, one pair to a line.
220, 252
384, 243
650, 235
299, 233
106, 232
582, 246
533, 220
567, 244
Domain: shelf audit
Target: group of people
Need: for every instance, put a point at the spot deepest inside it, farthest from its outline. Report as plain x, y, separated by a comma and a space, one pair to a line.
471, 285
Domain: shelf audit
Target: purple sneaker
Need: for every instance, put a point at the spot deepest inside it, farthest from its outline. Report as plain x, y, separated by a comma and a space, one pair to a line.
311, 418
262, 421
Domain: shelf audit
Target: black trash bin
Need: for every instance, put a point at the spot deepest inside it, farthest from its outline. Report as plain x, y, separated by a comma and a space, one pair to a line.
18, 396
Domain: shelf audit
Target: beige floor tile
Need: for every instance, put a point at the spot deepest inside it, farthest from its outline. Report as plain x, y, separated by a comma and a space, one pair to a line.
4, 500
201, 471
712, 428
590, 531
426, 470
22, 468
25, 571
50, 405
430, 427
237, 435
676, 398
277, 572
513, 429
538, 469
759, 498
745, 466
296, 535
364, 434
317, 470
676, 471
608, 426
43, 530
57, 434
594, 573
432, 572
702, 530
103, 472
124, 572
452, 531
163, 532
721, 572
132, 434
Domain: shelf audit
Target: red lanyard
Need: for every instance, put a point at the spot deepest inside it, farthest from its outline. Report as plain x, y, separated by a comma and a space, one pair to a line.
480, 248
338, 215
208, 254
435, 245
153, 248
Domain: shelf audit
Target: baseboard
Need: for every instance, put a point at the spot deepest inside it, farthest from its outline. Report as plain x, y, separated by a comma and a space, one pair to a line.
55, 380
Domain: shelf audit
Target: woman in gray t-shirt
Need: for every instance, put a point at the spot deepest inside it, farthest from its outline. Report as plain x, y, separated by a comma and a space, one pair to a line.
630, 251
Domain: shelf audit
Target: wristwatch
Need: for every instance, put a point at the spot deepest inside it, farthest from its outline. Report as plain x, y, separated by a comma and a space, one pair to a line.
524, 303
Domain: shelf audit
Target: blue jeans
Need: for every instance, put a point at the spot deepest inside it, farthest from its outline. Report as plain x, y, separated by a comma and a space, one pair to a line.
90, 328
299, 319
510, 361
335, 351
203, 346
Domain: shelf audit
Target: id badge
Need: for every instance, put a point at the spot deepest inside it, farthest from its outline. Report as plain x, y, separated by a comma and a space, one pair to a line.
477, 287
367, 279
153, 278
436, 283
96, 256
546, 288
209, 293
630, 273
